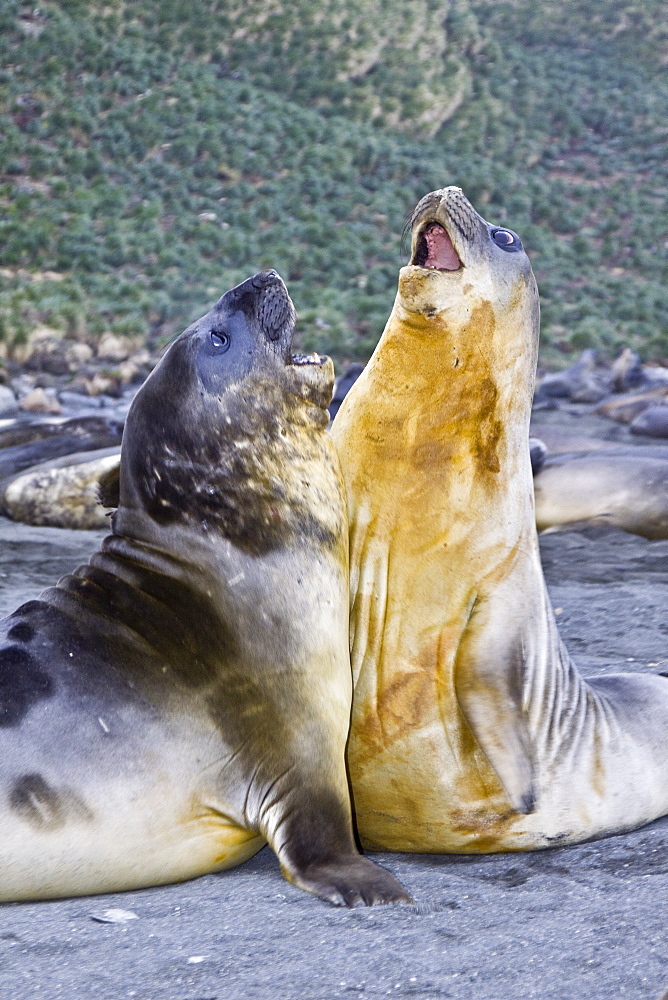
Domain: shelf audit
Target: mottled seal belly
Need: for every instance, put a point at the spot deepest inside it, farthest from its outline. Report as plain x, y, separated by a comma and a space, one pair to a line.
185, 696
471, 728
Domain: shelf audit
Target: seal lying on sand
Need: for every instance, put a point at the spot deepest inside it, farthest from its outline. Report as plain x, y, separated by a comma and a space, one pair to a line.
24, 445
186, 694
471, 729
622, 487
581, 383
62, 493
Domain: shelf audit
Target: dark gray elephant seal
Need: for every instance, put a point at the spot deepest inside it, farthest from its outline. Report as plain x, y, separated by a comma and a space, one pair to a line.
24, 445
185, 696
583, 382
652, 422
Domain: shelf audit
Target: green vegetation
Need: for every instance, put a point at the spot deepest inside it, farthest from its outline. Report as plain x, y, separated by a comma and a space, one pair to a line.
153, 153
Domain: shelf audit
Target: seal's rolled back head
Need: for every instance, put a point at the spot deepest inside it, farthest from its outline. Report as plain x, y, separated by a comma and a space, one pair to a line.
205, 440
447, 234
469, 281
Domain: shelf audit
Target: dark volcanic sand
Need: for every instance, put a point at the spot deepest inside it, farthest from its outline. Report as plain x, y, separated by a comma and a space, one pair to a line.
587, 921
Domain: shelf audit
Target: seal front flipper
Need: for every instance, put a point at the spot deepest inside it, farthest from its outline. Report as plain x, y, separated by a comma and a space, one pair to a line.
317, 853
350, 881
489, 688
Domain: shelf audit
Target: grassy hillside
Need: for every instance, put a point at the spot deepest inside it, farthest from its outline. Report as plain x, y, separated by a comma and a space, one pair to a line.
153, 153
636, 29
396, 64
582, 107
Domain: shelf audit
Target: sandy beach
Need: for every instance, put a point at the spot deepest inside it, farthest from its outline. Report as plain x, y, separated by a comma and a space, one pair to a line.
556, 925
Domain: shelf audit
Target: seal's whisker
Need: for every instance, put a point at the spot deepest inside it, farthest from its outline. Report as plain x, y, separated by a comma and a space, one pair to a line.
406, 235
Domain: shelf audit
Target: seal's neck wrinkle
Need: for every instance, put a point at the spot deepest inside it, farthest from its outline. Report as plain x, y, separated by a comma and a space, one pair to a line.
153, 598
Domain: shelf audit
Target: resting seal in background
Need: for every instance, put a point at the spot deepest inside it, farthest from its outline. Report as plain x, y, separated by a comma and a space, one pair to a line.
471, 729
619, 487
186, 694
62, 493
26, 444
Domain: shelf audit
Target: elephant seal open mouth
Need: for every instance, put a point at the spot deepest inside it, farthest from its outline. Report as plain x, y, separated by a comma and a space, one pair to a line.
471, 728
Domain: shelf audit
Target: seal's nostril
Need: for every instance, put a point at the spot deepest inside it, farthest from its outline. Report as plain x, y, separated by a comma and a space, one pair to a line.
274, 312
264, 278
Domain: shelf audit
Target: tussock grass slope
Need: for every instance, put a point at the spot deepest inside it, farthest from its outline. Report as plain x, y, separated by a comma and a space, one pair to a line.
154, 153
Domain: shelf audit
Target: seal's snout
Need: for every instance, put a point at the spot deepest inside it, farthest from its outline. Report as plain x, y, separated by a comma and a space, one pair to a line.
265, 301
443, 226
264, 278
275, 311
245, 294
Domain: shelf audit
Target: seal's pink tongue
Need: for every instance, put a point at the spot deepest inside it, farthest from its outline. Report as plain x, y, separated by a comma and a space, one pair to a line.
441, 253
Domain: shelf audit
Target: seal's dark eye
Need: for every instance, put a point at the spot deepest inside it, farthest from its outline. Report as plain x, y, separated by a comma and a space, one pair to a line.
506, 239
219, 341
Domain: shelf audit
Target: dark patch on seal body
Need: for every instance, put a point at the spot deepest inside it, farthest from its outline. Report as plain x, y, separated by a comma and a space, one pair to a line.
490, 427
22, 632
36, 802
45, 809
115, 632
23, 683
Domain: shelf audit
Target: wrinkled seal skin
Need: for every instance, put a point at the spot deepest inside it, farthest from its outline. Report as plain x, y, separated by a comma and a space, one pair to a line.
471, 728
185, 696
